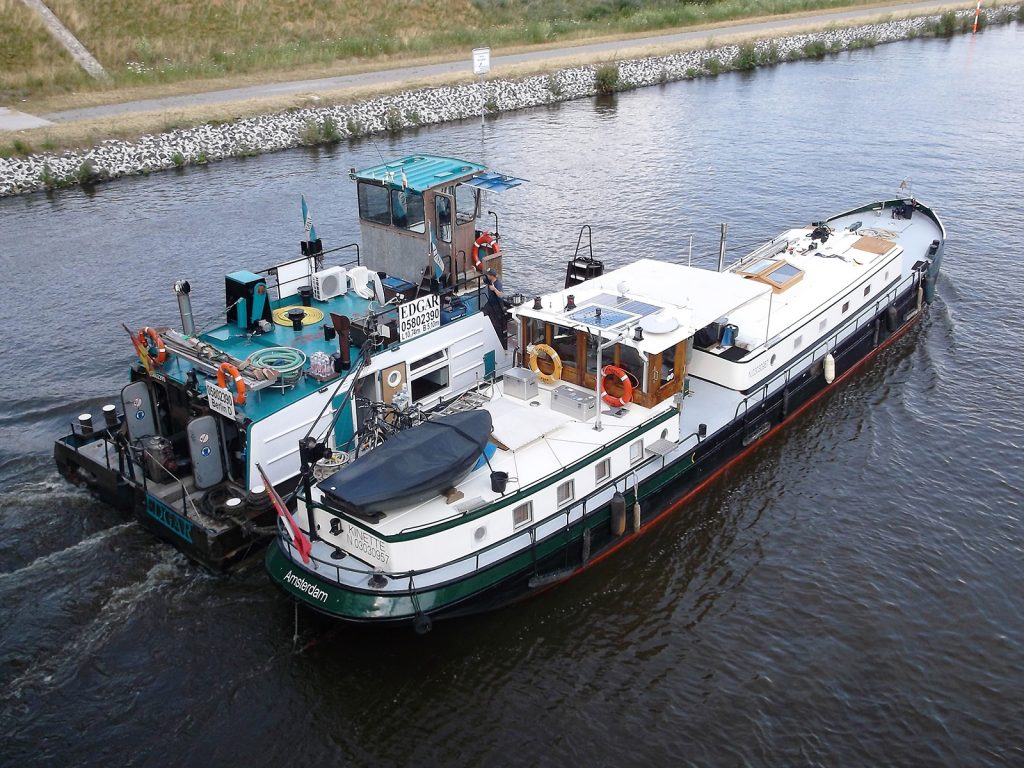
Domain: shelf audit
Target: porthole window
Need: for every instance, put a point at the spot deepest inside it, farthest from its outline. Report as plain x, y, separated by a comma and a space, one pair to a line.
522, 515
867, 290
480, 533
822, 324
603, 470
798, 342
846, 307
566, 493
772, 361
636, 451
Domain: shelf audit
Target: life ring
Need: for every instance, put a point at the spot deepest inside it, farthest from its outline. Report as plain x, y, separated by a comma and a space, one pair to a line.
488, 241
627, 386
148, 337
556, 361
230, 370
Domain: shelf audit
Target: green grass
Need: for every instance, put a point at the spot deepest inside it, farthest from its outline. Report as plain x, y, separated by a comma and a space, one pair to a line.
607, 78
189, 40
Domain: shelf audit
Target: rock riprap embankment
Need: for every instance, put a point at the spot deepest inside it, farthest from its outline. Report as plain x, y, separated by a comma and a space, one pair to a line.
114, 158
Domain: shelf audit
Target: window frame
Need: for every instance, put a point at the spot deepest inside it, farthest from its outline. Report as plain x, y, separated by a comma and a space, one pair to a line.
526, 505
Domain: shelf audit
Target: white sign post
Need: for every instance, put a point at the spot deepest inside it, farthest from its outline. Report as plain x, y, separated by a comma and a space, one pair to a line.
481, 66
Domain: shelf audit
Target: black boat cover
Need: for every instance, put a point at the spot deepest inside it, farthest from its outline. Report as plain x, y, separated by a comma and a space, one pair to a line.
410, 467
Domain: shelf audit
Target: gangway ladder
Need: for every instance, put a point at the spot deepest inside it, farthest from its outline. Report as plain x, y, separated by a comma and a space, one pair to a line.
582, 268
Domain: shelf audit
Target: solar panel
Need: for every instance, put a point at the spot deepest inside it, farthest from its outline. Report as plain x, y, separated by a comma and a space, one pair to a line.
623, 303
609, 317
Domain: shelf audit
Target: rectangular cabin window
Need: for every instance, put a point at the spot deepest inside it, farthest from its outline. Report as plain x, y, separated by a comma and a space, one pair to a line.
846, 307
603, 470
636, 451
466, 198
374, 204
407, 209
423, 362
566, 493
867, 290
522, 515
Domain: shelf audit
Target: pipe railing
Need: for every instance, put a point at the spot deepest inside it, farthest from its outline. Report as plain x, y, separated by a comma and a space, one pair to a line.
823, 348
474, 558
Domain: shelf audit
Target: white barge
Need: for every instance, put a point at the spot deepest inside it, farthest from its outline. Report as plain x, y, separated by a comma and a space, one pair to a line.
637, 387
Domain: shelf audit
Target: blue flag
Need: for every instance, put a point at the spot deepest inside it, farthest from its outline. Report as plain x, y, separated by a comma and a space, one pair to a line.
307, 221
435, 255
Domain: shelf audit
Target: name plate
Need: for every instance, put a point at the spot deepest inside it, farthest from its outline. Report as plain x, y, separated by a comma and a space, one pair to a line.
221, 400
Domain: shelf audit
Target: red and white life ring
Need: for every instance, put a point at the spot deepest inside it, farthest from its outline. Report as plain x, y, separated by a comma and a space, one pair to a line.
150, 339
485, 241
627, 386
230, 370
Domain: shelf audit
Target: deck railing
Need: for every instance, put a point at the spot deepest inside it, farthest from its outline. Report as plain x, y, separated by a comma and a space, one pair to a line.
584, 507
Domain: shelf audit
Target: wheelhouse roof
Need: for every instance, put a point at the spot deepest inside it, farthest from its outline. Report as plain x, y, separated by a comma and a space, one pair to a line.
420, 173
678, 298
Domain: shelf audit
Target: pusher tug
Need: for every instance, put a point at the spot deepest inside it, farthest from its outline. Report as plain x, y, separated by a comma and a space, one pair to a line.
305, 346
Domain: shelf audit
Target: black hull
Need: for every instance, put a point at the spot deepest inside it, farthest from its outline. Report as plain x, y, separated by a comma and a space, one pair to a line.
215, 549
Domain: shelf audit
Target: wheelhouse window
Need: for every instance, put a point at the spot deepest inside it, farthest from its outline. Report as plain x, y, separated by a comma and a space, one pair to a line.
668, 365
631, 362
466, 198
407, 209
374, 203
443, 210
564, 342
522, 515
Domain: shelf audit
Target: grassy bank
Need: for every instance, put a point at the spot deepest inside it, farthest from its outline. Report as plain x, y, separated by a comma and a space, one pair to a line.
209, 42
83, 134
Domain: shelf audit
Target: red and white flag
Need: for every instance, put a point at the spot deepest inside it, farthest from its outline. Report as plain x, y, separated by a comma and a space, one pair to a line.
299, 539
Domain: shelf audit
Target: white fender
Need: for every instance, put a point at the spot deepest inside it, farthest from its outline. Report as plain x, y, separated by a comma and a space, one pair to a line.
830, 368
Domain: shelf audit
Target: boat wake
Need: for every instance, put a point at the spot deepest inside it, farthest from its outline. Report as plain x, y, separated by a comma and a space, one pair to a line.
56, 666
74, 552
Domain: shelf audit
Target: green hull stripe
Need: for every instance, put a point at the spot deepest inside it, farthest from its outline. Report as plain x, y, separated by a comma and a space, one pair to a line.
513, 498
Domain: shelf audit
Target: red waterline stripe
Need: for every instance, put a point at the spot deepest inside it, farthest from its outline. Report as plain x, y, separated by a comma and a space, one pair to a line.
742, 454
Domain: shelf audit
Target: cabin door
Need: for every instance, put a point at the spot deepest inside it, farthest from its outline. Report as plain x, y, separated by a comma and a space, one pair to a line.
444, 208
391, 381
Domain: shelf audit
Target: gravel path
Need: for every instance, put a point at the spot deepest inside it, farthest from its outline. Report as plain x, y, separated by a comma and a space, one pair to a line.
268, 133
391, 77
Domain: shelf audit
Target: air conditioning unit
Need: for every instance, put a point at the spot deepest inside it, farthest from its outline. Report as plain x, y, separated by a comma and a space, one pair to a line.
328, 283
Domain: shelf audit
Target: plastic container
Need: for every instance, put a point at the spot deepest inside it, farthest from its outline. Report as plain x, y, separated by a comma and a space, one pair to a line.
499, 481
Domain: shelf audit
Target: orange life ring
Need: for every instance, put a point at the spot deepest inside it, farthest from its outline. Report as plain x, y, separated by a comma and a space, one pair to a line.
149, 337
627, 386
488, 241
229, 369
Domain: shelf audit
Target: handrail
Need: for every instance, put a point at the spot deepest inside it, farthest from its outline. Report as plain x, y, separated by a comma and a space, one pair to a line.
566, 512
590, 241
830, 342
268, 271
